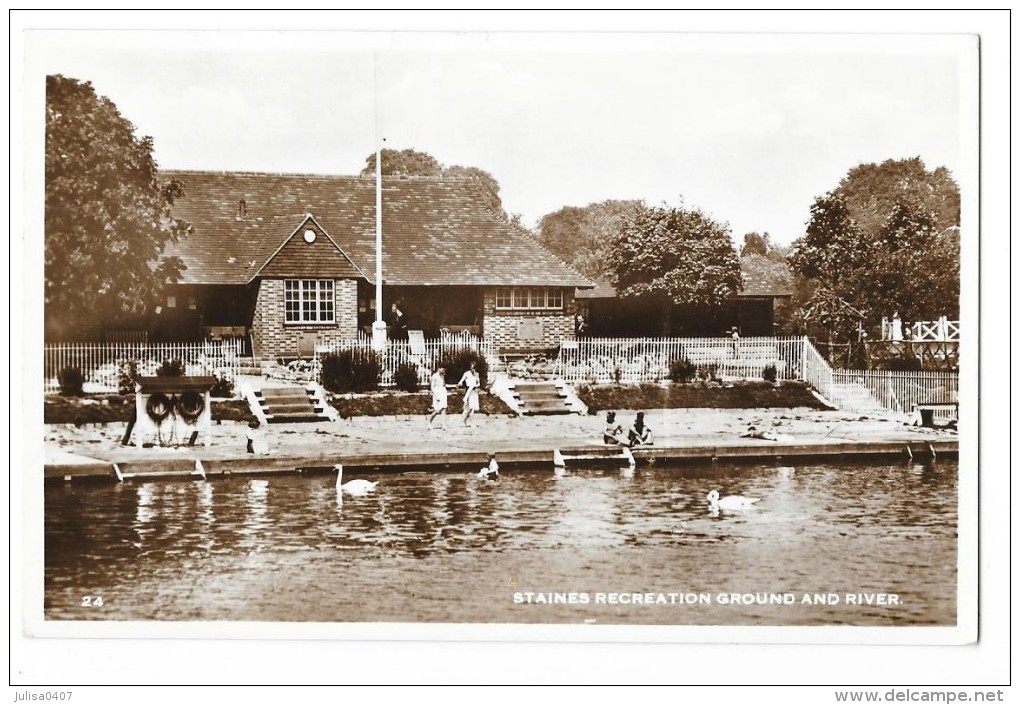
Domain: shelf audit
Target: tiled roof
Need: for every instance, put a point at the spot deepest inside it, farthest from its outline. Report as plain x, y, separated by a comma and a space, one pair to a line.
435, 232
602, 290
757, 285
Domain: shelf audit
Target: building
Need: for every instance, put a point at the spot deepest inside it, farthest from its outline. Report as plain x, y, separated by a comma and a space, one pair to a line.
286, 260
752, 311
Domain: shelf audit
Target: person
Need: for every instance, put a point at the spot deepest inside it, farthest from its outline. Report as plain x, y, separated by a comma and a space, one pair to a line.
399, 322
735, 335
490, 471
439, 398
471, 381
640, 435
580, 326
612, 435
256, 440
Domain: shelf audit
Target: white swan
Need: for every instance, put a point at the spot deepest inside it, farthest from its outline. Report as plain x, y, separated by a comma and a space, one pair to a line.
733, 501
354, 487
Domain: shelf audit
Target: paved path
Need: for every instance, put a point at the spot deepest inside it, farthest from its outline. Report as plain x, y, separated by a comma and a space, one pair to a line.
402, 441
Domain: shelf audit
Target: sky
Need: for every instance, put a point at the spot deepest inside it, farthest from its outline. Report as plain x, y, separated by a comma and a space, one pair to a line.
749, 129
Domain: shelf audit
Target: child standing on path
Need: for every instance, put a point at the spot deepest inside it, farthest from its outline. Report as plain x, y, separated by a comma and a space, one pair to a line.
439, 397
471, 381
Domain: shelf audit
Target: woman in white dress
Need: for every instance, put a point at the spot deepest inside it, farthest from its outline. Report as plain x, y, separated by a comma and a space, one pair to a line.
438, 386
471, 381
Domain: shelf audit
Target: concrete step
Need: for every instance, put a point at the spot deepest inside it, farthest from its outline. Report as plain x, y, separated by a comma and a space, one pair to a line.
294, 418
305, 408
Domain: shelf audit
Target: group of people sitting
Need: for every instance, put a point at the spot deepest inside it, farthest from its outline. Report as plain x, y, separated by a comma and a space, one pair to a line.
639, 434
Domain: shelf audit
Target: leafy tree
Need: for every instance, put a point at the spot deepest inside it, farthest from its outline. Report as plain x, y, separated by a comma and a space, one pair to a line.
107, 216
755, 244
883, 242
581, 236
403, 162
872, 191
411, 162
676, 256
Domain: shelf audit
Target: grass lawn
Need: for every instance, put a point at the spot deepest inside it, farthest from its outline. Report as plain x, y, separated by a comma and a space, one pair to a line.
742, 395
699, 395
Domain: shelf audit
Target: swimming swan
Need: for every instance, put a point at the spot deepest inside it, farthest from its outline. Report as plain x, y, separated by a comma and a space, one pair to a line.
354, 487
733, 501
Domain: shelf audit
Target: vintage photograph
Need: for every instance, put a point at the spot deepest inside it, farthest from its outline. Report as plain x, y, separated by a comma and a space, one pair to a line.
417, 329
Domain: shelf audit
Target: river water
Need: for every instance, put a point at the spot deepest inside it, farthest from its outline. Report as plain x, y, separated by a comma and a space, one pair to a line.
446, 547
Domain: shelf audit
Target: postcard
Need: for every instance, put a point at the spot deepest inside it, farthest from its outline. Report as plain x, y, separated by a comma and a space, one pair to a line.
574, 337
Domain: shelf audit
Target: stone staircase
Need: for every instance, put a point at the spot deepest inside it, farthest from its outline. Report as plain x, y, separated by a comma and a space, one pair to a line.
854, 397
545, 398
290, 405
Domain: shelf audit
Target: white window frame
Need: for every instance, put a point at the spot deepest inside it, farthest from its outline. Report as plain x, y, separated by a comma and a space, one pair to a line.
528, 298
309, 297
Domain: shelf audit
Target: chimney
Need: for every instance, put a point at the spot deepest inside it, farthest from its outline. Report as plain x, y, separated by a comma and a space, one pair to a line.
242, 210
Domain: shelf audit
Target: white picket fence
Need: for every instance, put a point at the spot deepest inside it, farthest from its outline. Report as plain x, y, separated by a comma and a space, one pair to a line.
105, 366
869, 390
631, 360
423, 354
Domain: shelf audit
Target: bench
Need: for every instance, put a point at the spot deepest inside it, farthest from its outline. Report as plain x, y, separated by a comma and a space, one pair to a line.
924, 413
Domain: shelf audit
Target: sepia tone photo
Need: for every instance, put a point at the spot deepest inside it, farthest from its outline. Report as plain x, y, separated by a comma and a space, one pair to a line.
418, 330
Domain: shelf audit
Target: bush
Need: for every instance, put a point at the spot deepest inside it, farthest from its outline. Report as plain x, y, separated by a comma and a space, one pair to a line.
223, 388
682, 371
904, 364
708, 372
71, 382
770, 373
456, 361
406, 377
127, 375
351, 371
171, 368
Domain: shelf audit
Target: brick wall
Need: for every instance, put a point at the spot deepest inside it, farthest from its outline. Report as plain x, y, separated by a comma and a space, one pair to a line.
526, 331
273, 337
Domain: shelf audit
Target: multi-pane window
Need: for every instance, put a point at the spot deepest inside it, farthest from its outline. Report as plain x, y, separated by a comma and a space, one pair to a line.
308, 301
529, 297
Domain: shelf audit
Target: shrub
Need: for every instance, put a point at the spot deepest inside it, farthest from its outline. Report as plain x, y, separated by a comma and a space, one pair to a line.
708, 372
456, 361
351, 371
770, 373
904, 364
406, 377
223, 388
171, 368
127, 375
71, 382
682, 370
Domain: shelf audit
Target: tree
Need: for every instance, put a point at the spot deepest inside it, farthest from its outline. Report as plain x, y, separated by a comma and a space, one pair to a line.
755, 244
403, 162
581, 236
871, 192
885, 241
674, 255
411, 162
107, 215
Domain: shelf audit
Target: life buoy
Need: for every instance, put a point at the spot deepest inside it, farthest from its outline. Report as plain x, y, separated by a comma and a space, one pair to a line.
158, 407
190, 406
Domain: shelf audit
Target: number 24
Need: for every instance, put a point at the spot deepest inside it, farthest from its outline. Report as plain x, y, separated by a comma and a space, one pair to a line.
92, 601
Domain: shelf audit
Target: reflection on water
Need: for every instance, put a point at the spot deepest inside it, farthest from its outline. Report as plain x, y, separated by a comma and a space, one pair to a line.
451, 547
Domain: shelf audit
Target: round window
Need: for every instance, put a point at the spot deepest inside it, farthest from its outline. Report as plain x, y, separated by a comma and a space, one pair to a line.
309, 236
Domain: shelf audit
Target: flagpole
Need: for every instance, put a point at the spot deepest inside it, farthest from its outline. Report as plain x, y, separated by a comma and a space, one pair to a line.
379, 325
